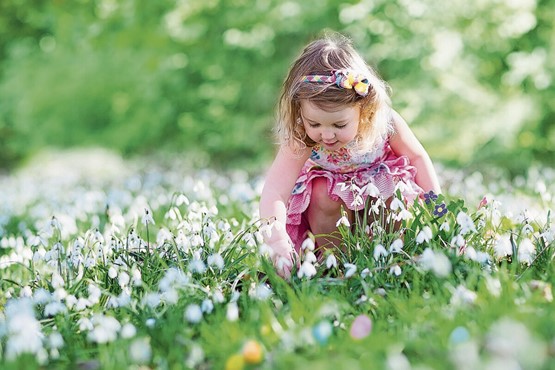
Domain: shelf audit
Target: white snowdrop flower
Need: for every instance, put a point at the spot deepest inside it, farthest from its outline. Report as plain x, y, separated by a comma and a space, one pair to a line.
308, 244
26, 292
526, 251
218, 296
124, 299
82, 304
396, 204
128, 330
493, 285
549, 235
197, 266
403, 215
371, 190
71, 300
458, 241
181, 199
162, 236
216, 260
182, 242
343, 221
380, 251
112, 272
55, 340
463, 296
310, 257
232, 313
470, 253
503, 247
424, 236
357, 201
395, 270
147, 217
106, 329
466, 223
22, 329
150, 322
193, 313
152, 299
89, 262
85, 324
331, 261
435, 261
365, 273
94, 293
195, 357
140, 351
136, 279
527, 229
207, 306
53, 308
196, 240
170, 297
307, 270
262, 292
396, 246
445, 227
351, 269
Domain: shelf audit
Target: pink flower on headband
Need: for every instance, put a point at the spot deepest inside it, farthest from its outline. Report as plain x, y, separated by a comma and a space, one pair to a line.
343, 78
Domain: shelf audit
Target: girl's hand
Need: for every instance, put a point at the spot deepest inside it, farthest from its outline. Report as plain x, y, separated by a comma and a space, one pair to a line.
283, 255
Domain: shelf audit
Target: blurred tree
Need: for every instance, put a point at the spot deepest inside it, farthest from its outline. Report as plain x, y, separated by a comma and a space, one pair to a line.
474, 78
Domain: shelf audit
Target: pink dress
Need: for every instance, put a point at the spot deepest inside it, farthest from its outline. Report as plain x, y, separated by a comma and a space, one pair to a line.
343, 167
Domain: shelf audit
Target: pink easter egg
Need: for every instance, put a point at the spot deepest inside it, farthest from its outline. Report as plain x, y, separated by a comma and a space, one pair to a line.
361, 327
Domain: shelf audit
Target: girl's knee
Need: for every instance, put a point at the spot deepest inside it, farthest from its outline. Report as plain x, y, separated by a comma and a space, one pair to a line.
320, 198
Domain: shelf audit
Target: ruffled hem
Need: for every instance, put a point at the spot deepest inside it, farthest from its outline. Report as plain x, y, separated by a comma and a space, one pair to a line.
351, 188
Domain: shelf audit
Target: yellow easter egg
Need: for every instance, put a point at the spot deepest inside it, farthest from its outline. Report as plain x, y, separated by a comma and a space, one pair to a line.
253, 352
235, 362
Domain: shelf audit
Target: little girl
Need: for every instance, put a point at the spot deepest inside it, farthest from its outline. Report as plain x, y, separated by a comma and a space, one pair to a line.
336, 130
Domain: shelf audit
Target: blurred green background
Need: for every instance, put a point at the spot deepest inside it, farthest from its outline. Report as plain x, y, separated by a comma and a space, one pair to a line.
201, 78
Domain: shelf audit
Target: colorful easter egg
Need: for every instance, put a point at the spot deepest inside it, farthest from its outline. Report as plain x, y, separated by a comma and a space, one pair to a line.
322, 331
253, 352
235, 362
361, 327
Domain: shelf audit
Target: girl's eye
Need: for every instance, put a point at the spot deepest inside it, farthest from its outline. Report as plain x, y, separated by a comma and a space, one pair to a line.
314, 124
340, 126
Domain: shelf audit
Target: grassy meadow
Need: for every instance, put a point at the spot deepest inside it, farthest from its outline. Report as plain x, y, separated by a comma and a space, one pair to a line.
110, 264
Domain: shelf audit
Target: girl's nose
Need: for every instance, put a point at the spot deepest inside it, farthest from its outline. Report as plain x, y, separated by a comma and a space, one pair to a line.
328, 134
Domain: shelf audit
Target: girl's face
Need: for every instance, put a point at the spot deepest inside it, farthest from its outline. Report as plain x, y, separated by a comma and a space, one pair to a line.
332, 129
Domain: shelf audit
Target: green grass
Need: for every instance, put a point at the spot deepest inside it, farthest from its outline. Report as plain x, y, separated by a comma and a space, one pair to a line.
80, 261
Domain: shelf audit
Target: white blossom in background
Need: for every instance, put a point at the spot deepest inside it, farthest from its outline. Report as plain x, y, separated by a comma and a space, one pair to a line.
526, 251
503, 247
140, 351
351, 269
396, 246
380, 251
307, 270
216, 260
193, 313
424, 236
466, 223
105, 329
23, 330
232, 313
343, 221
395, 270
128, 330
463, 296
331, 261
435, 261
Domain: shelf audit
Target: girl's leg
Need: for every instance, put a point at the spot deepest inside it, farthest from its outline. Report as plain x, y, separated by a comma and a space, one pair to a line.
323, 213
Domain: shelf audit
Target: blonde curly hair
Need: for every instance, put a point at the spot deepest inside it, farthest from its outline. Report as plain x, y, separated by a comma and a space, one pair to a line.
322, 56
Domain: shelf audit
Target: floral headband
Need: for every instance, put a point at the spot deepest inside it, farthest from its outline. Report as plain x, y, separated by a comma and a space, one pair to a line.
342, 78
